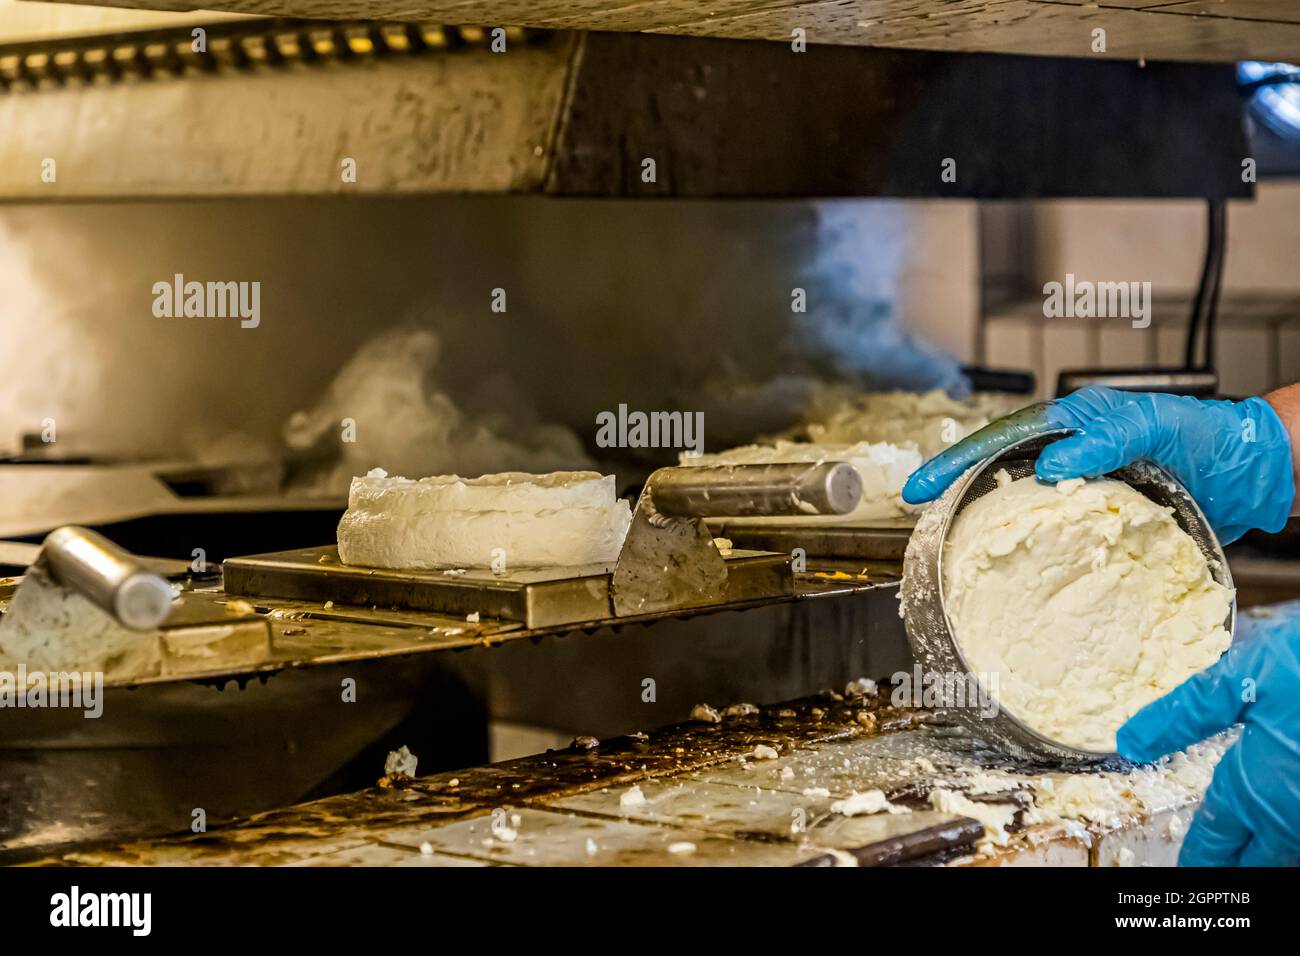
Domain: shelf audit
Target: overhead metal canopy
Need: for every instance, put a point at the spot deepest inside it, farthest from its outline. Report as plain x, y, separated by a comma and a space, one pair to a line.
1208, 30
308, 108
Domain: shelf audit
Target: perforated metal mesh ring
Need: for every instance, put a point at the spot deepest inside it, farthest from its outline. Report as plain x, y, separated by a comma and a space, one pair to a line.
929, 629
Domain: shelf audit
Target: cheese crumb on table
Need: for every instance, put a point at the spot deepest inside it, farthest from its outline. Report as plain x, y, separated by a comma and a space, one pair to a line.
862, 687
996, 817
705, 714
868, 801
400, 761
1080, 804
842, 857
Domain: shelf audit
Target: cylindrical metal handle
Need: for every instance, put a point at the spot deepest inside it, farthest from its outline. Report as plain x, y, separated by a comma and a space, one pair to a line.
754, 491
110, 577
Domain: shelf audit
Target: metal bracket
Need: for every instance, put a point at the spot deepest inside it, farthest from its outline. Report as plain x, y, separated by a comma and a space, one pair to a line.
669, 559
666, 562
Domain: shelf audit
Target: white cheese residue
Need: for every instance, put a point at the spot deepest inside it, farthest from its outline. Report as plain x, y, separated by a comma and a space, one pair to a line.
868, 801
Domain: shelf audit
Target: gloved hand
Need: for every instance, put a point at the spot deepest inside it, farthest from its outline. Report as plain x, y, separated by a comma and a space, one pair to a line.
1233, 457
1251, 812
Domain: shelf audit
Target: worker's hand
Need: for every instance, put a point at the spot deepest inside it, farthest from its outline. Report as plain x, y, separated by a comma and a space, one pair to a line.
1233, 457
1250, 813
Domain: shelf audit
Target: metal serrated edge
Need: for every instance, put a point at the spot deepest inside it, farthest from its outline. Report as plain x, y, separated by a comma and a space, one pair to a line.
266, 44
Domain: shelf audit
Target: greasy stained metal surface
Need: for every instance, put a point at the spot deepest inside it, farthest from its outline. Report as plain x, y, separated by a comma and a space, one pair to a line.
825, 577
1018, 127
564, 115
462, 121
704, 805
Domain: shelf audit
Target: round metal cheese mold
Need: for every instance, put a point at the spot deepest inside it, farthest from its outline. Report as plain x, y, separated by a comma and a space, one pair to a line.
930, 630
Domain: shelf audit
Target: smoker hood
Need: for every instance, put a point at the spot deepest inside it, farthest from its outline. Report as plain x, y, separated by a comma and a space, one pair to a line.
294, 107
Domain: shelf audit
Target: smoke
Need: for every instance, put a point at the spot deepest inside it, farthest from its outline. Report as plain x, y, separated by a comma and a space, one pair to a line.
609, 303
854, 300
44, 375
384, 410
82, 349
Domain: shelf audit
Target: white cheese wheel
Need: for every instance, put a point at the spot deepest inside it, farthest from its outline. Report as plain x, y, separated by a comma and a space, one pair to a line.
513, 519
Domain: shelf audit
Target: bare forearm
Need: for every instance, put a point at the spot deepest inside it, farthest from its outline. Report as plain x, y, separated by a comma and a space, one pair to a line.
1286, 402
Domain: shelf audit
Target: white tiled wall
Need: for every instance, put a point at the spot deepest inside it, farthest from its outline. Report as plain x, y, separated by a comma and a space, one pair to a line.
1161, 242
1254, 354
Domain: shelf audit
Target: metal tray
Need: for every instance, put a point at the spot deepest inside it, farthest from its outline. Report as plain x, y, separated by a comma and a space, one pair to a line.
534, 598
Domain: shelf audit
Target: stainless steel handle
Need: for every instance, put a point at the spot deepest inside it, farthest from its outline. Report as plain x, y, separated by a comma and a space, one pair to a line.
752, 491
111, 577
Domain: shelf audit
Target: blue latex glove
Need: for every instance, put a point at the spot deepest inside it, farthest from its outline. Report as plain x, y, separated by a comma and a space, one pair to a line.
1233, 457
1251, 813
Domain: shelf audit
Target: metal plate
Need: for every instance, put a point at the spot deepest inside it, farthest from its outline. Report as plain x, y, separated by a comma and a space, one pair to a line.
880, 540
533, 598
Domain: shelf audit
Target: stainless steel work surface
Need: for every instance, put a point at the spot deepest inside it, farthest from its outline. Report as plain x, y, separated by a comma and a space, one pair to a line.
570, 807
791, 784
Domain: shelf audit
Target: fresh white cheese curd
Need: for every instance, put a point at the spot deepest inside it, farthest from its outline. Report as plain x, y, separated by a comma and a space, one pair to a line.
511, 520
1084, 598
